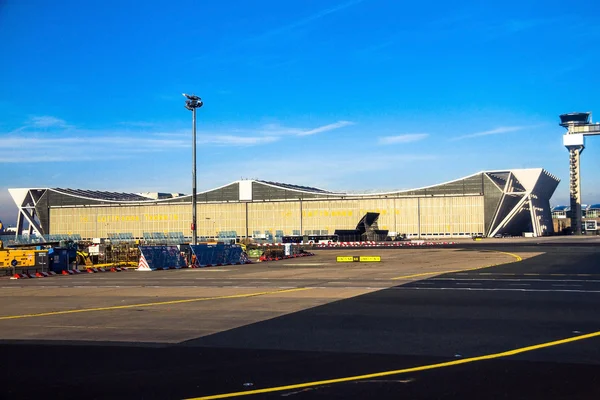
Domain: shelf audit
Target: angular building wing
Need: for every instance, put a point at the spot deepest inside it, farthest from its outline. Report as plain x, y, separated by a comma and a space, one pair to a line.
485, 203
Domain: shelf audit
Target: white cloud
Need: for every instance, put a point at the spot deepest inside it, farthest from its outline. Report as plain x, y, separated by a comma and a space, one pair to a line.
325, 128
231, 140
406, 138
16, 142
47, 121
306, 21
495, 131
270, 131
32, 143
138, 124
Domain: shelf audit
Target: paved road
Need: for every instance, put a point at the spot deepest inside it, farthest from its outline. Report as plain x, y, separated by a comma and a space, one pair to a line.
452, 318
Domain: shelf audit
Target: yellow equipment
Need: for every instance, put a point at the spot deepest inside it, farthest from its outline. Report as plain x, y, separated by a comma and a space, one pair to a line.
83, 258
24, 258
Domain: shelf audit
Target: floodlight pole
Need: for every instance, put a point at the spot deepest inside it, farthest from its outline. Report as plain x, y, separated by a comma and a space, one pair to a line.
191, 104
194, 194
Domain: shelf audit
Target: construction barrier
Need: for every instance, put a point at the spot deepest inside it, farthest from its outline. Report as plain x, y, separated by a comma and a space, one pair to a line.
160, 257
209, 255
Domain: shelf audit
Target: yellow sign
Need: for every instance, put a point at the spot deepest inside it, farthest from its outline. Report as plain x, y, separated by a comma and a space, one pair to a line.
370, 259
358, 259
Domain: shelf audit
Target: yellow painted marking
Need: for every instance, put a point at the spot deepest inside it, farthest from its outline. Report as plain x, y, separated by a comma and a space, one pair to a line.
358, 259
402, 371
160, 303
517, 259
417, 275
370, 259
516, 256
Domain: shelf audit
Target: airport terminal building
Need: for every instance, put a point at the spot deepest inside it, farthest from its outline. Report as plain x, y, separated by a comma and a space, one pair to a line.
486, 203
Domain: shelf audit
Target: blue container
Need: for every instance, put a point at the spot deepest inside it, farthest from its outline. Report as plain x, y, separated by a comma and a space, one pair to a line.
58, 259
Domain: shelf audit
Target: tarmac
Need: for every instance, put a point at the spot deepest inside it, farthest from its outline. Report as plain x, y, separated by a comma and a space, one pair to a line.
491, 319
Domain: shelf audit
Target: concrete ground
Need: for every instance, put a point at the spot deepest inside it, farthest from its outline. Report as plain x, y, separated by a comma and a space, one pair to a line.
191, 333
263, 290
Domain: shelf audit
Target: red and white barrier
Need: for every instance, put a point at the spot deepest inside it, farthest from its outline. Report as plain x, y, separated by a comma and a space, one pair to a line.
24, 275
411, 243
264, 259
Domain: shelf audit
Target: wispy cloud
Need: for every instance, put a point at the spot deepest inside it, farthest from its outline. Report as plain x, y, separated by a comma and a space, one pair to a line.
276, 130
12, 142
406, 138
46, 121
333, 167
441, 27
231, 140
326, 128
495, 131
515, 27
33, 143
264, 134
42, 122
87, 145
306, 21
138, 124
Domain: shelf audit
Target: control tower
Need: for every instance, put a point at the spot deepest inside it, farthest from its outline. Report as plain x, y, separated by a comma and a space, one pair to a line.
579, 125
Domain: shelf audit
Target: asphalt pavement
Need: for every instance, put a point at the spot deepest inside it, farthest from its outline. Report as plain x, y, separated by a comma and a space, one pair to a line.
457, 327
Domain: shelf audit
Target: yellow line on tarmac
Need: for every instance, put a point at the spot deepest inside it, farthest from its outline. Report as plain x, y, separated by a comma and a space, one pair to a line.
401, 371
417, 275
517, 259
160, 303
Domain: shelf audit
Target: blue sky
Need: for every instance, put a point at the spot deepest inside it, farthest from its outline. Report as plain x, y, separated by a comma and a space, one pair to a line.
358, 95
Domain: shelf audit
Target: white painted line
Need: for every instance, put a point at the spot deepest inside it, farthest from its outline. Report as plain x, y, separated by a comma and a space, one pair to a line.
208, 269
515, 280
519, 284
303, 265
568, 285
497, 289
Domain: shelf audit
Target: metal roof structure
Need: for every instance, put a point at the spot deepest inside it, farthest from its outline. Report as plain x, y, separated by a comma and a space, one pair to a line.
295, 187
102, 195
511, 198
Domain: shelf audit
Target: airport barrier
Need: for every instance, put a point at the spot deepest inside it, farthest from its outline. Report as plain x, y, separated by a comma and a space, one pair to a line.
414, 243
32, 275
362, 244
160, 257
209, 255
266, 258
65, 272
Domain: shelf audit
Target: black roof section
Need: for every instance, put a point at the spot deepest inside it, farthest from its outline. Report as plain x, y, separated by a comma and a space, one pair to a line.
101, 195
295, 187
